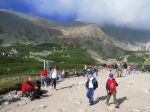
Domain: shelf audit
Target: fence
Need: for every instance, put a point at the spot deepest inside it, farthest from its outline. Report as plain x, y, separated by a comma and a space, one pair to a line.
9, 82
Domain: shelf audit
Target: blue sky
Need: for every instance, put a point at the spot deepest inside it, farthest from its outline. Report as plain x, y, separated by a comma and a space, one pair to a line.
129, 13
28, 7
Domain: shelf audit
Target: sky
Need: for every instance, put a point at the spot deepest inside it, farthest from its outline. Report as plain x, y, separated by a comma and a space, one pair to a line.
129, 13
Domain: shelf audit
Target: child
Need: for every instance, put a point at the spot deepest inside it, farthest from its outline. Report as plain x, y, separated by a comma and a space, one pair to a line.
91, 85
111, 89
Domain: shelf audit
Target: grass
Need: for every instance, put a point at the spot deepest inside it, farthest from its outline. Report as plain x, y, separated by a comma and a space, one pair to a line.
11, 67
11, 82
70, 58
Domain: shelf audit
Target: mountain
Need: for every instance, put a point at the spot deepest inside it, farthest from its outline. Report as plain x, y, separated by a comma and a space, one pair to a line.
137, 37
21, 28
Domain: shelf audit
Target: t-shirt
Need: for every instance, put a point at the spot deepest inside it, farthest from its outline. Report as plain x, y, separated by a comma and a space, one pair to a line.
54, 74
90, 82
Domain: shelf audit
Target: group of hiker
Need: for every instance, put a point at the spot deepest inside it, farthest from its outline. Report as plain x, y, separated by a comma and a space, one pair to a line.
121, 68
33, 89
92, 84
51, 77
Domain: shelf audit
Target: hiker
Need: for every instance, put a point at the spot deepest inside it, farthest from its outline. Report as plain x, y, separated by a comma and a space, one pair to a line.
124, 66
91, 85
29, 89
63, 73
54, 75
96, 70
119, 72
44, 78
111, 90
129, 70
115, 67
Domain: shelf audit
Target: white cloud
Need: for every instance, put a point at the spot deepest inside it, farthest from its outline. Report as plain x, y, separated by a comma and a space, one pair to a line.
132, 13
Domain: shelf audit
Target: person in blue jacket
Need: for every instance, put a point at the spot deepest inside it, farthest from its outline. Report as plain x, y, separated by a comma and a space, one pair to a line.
91, 85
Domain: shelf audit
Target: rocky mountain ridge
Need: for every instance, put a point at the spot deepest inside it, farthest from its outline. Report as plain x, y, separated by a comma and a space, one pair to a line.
21, 28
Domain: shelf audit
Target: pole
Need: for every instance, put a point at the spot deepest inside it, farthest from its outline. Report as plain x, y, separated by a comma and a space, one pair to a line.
44, 65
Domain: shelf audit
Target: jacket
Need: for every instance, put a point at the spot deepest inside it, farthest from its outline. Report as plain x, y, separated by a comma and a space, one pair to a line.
27, 85
111, 85
94, 82
44, 73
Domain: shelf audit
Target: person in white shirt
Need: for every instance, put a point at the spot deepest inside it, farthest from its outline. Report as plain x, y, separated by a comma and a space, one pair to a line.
54, 75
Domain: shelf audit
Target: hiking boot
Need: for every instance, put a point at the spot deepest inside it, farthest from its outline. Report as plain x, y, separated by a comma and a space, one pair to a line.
116, 105
107, 104
31, 98
92, 103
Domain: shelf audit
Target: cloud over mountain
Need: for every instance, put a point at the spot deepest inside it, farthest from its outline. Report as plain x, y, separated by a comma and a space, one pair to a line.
130, 13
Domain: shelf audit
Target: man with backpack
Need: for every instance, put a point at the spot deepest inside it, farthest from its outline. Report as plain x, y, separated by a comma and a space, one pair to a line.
91, 85
111, 89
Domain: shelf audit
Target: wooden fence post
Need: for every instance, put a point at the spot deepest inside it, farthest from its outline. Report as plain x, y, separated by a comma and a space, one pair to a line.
18, 79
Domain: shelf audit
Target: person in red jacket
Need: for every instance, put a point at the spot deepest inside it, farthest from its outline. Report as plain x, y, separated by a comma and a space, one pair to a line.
111, 90
44, 77
28, 89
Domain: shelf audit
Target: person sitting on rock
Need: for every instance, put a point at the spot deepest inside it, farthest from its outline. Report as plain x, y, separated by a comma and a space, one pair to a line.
111, 89
29, 89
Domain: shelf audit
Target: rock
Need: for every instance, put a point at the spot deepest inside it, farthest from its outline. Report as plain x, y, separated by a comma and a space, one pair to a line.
77, 103
42, 106
39, 107
6, 103
22, 103
136, 110
62, 110
12, 93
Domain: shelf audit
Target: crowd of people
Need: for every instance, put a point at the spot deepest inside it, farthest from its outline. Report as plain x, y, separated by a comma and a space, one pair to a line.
33, 91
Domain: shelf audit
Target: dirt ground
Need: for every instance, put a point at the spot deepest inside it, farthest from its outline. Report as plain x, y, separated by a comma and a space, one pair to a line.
133, 94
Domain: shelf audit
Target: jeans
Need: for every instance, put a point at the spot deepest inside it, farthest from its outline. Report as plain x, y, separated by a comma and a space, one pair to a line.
44, 79
90, 93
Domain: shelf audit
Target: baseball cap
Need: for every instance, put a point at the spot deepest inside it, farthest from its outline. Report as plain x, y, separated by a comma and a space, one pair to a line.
111, 75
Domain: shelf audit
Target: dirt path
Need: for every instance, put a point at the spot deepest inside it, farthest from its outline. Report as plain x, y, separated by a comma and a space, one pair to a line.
133, 96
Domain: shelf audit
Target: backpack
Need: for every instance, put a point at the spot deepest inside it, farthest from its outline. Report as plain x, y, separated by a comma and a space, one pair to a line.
112, 85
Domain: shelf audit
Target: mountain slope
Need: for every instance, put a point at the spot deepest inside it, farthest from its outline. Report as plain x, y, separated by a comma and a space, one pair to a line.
16, 28
136, 37
20, 28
